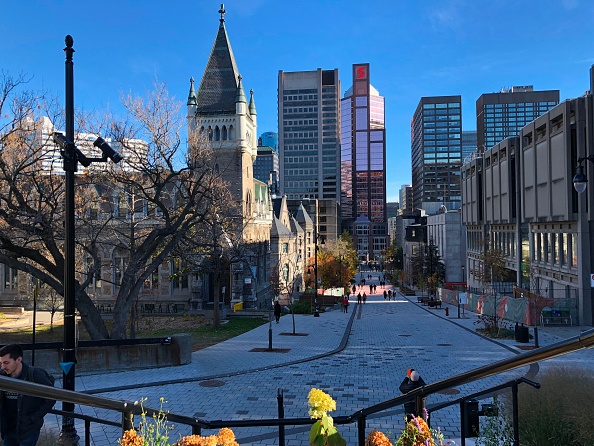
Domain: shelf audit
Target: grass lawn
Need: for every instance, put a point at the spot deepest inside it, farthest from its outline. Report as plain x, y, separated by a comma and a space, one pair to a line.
203, 333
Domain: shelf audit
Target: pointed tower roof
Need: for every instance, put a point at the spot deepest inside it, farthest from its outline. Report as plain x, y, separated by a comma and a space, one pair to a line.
252, 103
192, 94
302, 216
218, 87
240, 95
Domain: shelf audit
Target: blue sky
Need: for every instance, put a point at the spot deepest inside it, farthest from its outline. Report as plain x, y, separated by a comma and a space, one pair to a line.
415, 47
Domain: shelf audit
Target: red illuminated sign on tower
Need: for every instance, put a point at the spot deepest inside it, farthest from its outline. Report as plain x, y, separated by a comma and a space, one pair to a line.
361, 72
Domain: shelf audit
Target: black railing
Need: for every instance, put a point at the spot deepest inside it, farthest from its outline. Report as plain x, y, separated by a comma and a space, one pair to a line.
128, 409
463, 418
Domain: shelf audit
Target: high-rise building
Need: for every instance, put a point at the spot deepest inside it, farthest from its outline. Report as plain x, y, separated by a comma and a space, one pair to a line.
309, 144
269, 139
468, 143
266, 167
363, 158
503, 114
436, 151
406, 200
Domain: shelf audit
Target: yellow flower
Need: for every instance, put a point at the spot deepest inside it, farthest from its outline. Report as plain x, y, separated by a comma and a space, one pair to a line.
319, 403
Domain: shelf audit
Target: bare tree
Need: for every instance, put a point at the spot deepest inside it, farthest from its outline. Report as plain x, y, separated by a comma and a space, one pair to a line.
285, 280
50, 300
179, 193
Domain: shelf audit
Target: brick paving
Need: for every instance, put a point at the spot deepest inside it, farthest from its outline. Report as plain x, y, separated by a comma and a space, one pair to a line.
359, 358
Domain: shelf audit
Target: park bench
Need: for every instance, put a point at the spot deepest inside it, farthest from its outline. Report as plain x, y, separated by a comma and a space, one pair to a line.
434, 303
553, 316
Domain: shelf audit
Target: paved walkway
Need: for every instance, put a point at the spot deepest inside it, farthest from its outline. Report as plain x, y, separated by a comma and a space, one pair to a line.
359, 358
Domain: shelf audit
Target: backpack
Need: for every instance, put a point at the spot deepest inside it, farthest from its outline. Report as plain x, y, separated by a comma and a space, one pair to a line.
49, 376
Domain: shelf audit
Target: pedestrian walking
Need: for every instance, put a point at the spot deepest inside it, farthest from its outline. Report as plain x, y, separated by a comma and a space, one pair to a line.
21, 416
345, 304
389, 294
412, 381
359, 298
277, 311
385, 294
354, 289
364, 297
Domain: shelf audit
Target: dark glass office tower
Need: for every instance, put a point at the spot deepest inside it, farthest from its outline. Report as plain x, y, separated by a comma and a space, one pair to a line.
436, 153
308, 134
468, 143
363, 160
309, 144
501, 115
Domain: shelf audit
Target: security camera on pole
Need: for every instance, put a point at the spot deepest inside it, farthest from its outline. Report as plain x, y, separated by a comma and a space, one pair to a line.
71, 156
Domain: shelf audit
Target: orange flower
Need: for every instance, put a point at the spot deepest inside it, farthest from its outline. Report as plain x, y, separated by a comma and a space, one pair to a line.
192, 440
376, 438
226, 436
131, 438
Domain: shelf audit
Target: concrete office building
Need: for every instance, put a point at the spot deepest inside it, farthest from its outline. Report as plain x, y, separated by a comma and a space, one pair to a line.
363, 158
503, 114
519, 199
406, 199
309, 144
436, 151
449, 236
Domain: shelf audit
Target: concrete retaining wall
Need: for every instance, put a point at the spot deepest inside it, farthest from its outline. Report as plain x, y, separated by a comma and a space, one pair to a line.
115, 358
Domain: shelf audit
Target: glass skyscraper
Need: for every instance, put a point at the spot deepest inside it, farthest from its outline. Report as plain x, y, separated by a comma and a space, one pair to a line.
363, 161
468, 143
269, 139
503, 114
436, 153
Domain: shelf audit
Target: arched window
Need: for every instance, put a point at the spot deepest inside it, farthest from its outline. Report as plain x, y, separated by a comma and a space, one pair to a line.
217, 133
224, 133
209, 133
231, 132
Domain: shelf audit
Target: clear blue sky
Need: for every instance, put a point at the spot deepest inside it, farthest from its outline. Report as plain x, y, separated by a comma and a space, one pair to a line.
415, 47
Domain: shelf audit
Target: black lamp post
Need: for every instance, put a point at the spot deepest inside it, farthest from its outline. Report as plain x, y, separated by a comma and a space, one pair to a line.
71, 156
317, 308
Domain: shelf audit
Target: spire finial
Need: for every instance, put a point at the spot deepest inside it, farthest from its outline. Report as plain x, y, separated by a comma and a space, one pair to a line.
222, 12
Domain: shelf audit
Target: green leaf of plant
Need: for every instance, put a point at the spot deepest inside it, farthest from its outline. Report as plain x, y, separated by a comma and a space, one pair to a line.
336, 440
315, 432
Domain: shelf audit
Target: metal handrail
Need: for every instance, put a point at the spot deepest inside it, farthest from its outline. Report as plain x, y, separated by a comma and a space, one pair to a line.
127, 409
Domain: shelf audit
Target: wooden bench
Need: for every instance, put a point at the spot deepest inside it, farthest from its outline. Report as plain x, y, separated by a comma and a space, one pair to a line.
553, 316
434, 303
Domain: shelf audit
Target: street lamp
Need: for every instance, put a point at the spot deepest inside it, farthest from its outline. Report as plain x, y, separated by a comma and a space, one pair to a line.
71, 156
579, 180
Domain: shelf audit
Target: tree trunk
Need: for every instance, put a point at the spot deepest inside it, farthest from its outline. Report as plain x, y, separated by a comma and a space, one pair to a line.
216, 290
91, 318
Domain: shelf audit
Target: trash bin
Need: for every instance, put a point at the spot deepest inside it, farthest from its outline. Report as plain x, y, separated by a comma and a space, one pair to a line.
523, 334
471, 426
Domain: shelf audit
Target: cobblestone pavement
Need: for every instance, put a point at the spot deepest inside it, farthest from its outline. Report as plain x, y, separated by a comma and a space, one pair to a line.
359, 358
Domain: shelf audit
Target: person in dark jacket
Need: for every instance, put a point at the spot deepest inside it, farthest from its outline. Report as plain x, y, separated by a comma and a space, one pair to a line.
412, 381
277, 311
21, 416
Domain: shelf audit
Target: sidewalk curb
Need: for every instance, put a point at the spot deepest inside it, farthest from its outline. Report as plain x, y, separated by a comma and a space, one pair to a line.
341, 346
